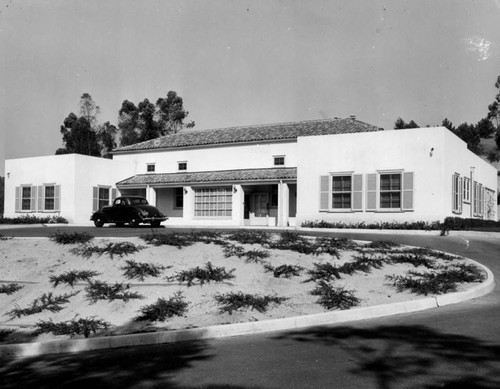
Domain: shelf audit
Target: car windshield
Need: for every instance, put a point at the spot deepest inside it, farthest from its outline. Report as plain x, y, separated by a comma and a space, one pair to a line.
138, 201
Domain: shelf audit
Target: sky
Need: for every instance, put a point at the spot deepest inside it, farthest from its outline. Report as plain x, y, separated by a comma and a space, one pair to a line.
240, 63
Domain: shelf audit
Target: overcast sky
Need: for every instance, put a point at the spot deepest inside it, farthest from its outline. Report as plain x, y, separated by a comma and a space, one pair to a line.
244, 62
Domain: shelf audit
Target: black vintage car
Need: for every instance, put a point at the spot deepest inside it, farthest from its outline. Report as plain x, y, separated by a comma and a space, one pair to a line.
131, 210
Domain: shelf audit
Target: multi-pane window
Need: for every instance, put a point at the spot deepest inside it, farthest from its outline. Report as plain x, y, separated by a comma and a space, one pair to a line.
390, 190
26, 198
49, 197
466, 190
279, 160
103, 197
179, 198
213, 202
182, 165
341, 192
150, 167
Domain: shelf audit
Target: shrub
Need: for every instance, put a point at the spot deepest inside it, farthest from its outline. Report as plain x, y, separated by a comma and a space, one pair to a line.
138, 270
285, 271
207, 237
363, 264
10, 288
334, 298
98, 290
29, 219
70, 237
289, 240
73, 276
112, 249
4, 237
256, 256
323, 271
420, 251
459, 223
325, 243
382, 245
163, 309
72, 327
232, 250
170, 239
232, 301
202, 275
415, 260
47, 302
419, 225
4, 334
251, 237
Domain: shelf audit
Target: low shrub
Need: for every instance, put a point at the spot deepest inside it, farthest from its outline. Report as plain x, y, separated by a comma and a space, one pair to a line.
290, 240
459, 223
256, 256
420, 251
47, 302
414, 259
382, 245
232, 250
202, 275
10, 288
72, 277
337, 243
284, 271
138, 270
29, 219
4, 334
230, 302
333, 297
207, 237
323, 272
362, 263
98, 290
251, 237
72, 327
170, 239
70, 237
4, 237
418, 225
112, 249
163, 309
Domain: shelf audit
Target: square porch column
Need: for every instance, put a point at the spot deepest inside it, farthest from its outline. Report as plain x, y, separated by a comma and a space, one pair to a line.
283, 204
151, 195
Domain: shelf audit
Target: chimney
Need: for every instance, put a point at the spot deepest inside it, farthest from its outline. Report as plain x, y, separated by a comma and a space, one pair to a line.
353, 117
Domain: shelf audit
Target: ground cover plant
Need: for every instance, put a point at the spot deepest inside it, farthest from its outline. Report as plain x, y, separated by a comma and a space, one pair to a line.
414, 259
111, 249
4, 237
284, 271
10, 288
201, 276
138, 270
332, 297
98, 290
170, 239
72, 277
251, 237
163, 309
70, 237
232, 301
82, 326
47, 301
323, 272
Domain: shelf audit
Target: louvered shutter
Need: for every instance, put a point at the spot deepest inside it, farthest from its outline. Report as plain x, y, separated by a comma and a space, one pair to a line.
18, 199
57, 198
95, 197
33, 198
41, 195
357, 192
113, 194
461, 194
371, 192
407, 191
324, 189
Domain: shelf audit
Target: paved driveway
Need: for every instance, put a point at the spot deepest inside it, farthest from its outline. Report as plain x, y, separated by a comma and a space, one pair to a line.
456, 346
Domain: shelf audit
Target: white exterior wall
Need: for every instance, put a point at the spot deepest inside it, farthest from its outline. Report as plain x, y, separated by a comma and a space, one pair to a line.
406, 150
76, 174
233, 157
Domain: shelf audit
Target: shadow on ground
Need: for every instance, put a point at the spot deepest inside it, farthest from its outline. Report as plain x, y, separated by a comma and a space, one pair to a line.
411, 356
138, 367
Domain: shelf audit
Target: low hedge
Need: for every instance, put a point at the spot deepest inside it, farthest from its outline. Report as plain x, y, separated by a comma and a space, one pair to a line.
29, 219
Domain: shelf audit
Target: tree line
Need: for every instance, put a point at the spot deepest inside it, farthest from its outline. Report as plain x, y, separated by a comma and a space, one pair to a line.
84, 134
471, 133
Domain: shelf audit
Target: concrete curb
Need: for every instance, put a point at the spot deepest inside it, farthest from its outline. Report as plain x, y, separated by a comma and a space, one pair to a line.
222, 331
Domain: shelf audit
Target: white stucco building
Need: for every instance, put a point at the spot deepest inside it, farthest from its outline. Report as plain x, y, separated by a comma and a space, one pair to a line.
338, 170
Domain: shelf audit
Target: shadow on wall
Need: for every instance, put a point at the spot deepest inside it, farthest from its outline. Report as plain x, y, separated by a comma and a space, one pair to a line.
411, 356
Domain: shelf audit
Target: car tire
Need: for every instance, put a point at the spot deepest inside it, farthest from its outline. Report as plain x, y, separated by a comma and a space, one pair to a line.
98, 223
155, 223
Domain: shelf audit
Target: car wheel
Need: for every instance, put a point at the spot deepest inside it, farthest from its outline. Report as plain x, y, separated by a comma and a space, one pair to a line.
155, 223
98, 223
134, 223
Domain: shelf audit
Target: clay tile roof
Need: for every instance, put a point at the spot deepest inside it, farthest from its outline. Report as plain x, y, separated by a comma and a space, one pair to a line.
266, 132
229, 176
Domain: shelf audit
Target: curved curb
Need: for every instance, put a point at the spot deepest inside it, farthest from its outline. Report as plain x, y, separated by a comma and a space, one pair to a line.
228, 330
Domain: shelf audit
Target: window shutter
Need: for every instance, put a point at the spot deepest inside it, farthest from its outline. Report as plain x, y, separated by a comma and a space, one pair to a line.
324, 193
95, 194
33, 198
41, 195
357, 192
18, 199
371, 192
407, 191
113, 194
57, 198
461, 194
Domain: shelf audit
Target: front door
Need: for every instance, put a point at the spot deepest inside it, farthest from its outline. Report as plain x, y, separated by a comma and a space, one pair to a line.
259, 209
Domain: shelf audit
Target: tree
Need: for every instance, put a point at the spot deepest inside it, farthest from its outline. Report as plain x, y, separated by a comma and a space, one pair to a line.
149, 121
449, 125
494, 108
485, 128
400, 124
106, 139
89, 110
469, 134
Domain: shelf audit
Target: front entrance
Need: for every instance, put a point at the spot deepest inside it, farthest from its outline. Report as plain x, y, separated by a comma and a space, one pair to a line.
259, 209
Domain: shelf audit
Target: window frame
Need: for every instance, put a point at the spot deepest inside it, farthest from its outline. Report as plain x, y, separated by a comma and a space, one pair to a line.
151, 167
466, 190
341, 192
48, 198
391, 191
207, 204
23, 198
356, 192
278, 160
182, 166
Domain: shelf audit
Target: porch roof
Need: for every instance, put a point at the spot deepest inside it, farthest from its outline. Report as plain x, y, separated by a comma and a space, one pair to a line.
233, 176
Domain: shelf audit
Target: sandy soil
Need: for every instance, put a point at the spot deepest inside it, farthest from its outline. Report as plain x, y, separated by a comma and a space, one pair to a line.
31, 262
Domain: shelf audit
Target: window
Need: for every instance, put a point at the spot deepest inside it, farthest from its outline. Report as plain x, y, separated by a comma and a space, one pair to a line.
182, 165
466, 190
150, 167
213, 202
26, 198
279, 160
390, 190
478, 199
179, 198
341, 192
102, 197
457, 187
49, 198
